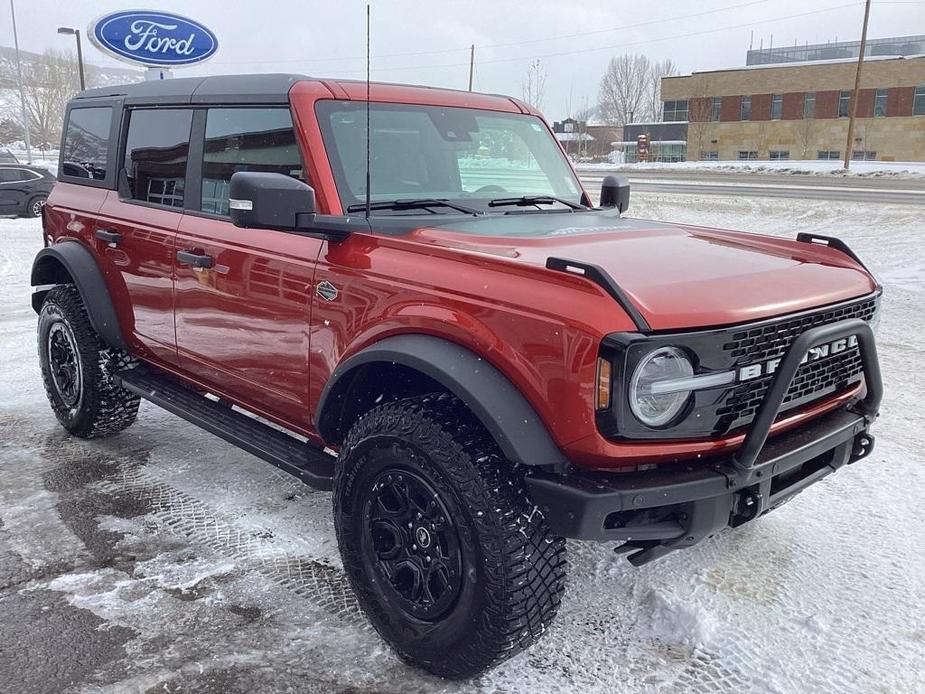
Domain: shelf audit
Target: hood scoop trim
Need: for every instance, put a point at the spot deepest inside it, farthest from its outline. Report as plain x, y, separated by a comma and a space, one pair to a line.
600, 277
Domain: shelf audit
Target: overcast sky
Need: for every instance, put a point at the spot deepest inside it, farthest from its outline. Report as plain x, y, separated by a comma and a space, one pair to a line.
428, 42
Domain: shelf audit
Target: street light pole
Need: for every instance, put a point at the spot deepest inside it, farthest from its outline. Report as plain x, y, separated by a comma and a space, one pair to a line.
22, 97
80, 55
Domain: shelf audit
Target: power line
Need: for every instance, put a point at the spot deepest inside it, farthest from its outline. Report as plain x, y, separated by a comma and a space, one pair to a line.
622, 45
558, 37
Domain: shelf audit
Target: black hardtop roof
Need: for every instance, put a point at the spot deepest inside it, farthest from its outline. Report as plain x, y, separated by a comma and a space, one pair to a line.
261, 88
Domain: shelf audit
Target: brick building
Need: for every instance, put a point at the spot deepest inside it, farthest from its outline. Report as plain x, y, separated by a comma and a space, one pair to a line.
800, 110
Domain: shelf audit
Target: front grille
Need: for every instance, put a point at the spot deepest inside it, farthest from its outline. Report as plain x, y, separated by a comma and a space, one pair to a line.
814, 380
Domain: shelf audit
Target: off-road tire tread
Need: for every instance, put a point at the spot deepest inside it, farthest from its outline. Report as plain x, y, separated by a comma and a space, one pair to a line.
525, 572
106, 408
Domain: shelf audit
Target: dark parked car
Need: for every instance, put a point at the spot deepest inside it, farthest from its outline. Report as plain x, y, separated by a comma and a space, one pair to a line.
24, 189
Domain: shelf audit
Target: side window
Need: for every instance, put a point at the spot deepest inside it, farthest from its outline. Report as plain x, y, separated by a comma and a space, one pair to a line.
9, 175
245, 139
86, 143
156, 151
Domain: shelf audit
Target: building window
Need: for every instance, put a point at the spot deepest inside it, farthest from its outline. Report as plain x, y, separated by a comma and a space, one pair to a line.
880, 103
918, 102
828, 154
844, 104
747, 155
779, 154
674, 111
809, 105
745, 108
863, 155
716, 108
711, 155
777, 104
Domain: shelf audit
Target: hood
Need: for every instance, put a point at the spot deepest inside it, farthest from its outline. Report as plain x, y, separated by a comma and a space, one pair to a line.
677, 276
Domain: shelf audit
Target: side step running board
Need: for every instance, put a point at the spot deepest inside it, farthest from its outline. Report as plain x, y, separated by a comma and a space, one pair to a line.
310, 464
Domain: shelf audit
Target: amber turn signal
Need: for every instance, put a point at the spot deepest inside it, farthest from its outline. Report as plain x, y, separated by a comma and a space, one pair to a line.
602, 400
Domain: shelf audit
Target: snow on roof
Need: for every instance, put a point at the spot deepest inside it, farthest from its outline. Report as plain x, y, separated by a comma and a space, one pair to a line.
572, 137
652, 142
658, 122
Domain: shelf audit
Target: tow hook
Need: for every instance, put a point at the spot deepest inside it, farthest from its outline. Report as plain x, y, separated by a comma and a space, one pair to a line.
863, 445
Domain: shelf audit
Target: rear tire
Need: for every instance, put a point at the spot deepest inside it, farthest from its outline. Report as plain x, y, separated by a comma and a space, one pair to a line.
77, 369
35, 205
451, 562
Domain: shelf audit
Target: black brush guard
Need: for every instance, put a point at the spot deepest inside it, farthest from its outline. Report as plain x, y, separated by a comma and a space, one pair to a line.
657, 511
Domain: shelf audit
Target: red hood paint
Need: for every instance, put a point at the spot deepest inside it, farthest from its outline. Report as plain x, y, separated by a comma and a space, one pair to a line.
689, 277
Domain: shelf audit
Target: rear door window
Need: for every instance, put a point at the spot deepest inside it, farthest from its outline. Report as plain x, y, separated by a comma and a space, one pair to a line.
245, 139
156, 154
86, 143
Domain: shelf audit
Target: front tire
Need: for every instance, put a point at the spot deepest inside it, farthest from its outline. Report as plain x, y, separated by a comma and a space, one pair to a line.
77, 369
452, 564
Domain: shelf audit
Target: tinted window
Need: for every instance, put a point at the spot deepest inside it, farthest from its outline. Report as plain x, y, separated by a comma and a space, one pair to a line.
245, 139
86, 143
9, 175
156, 151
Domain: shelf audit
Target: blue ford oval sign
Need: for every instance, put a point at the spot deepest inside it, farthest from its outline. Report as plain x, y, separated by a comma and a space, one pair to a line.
154, 39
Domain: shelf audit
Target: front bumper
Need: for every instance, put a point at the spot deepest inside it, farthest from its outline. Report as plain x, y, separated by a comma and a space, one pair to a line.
657, 511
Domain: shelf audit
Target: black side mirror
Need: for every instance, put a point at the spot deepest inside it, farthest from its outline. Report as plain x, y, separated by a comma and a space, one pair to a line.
260, 200
615, 192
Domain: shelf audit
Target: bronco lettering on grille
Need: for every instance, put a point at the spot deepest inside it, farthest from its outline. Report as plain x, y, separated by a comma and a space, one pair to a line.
766, 368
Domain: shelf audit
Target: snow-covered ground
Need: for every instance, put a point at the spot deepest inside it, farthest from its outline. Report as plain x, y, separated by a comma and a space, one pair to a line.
870, 169
165, 560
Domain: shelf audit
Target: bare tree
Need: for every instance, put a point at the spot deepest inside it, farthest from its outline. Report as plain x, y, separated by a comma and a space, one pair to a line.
700, 122
534, 84
806, 136
48, 82
663, 68
624, 88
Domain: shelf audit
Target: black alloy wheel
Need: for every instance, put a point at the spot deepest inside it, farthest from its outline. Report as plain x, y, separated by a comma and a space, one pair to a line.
415, 542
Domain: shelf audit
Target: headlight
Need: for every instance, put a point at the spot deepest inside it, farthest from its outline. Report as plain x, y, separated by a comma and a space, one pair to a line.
649, 401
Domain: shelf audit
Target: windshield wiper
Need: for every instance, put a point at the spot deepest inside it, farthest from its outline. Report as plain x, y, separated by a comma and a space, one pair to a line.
421, 204
526, 200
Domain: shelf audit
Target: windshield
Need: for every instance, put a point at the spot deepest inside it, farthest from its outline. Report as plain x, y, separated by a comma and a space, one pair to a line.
467, 156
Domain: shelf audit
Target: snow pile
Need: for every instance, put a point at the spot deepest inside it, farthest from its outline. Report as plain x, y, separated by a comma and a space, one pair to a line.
809, 167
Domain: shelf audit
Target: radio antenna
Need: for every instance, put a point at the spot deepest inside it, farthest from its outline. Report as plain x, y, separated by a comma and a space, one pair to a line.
368, 191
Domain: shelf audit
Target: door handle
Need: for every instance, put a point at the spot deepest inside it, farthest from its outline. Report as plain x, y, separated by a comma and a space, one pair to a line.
113, 238
195, 259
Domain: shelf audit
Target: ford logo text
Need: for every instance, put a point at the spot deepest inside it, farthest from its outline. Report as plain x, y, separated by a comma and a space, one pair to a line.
153, 39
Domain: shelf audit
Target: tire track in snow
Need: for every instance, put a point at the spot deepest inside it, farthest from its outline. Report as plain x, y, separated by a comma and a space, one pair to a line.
252, 547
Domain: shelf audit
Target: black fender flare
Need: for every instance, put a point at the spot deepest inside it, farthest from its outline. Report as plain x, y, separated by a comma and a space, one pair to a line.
88, 278
489, 394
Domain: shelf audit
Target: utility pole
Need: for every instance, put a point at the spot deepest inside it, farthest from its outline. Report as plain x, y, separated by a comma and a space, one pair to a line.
471, 64
22, 98
849, 145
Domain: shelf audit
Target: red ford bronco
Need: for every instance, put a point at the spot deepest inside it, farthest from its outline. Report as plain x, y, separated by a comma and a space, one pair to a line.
428, 316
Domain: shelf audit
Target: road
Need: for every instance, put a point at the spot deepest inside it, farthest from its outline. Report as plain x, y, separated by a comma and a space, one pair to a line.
887, 190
